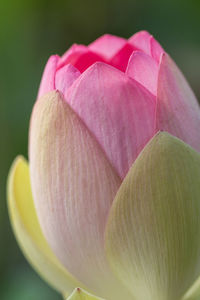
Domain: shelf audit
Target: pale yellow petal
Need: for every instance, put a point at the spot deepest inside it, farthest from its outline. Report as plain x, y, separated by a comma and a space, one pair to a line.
28, 233
153, 231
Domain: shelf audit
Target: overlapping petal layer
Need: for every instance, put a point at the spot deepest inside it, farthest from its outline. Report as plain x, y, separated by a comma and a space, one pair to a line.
80, 56
28, 232
64, 78
141, 40
144, 69
153, 228
48, 78
110, 49
120, 60
107, 46
145, 42
178, 111
73, 186
117, 110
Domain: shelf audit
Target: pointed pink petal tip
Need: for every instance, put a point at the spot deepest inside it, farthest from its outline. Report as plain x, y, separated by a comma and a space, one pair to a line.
143, 69
156, 49
107, 45
65, 76
48, 78
145, 42
140, 40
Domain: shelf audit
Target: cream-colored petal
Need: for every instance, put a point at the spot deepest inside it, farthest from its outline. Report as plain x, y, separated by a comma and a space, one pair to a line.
28, 233
152, 237
73, 187
80, 294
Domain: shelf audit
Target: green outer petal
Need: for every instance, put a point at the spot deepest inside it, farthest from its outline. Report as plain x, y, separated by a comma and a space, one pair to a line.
80, 294
152, 235
28, 233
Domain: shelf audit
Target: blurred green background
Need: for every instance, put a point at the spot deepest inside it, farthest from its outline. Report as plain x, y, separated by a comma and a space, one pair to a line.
32, 30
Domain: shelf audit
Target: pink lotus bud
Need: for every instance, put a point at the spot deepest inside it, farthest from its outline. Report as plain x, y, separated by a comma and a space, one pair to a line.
98, 107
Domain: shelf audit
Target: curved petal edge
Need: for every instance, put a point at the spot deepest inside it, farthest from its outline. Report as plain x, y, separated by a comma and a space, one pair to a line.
28, 233
152, 235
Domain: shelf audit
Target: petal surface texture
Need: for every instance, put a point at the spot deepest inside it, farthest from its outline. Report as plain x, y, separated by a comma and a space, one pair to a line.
120, 60
73, 186
145, 42
156, 49
141, 40
143, 69
152, 236
117, 110
80, 294
28, 232
107, 46
64, 78
80, 57
178, 111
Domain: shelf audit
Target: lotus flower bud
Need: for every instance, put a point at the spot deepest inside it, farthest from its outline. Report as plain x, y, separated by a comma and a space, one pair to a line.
110, 199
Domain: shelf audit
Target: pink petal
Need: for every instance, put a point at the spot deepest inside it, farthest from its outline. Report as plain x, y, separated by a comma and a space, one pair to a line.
73, 187
48, 78
117, 110
143, 69
74, 50
144, 41
178, 111
156, 49
120, 60
107, 45
65, 77
80, 57
141, 41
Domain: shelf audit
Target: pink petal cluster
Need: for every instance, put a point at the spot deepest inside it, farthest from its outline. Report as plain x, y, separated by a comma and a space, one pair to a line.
125, 91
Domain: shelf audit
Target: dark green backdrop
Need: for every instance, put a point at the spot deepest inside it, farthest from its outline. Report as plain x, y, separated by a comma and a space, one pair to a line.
32, 30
